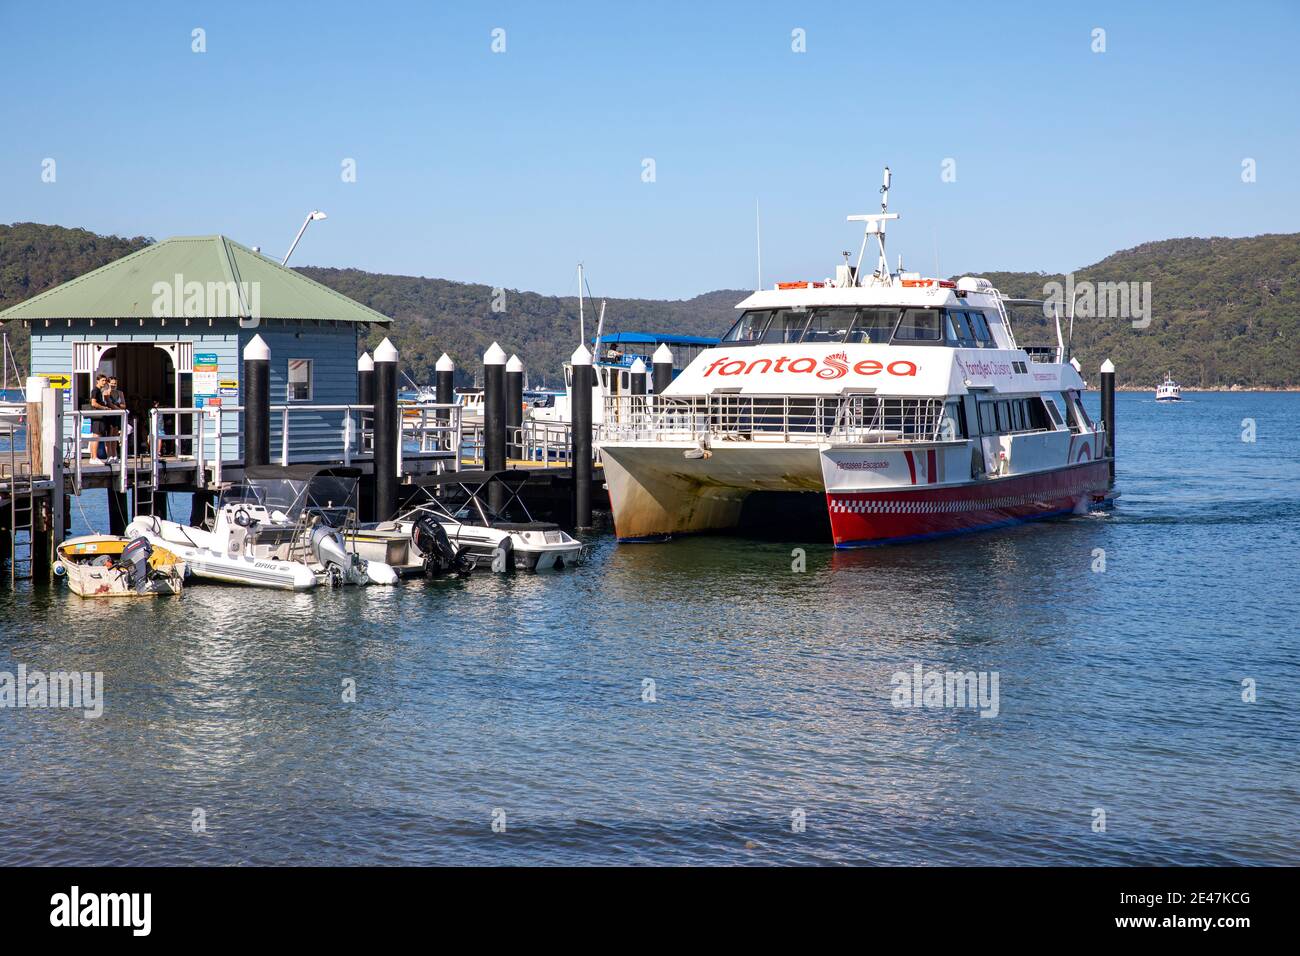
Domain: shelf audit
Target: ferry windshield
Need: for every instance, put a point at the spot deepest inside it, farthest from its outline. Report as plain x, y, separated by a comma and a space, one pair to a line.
832, 325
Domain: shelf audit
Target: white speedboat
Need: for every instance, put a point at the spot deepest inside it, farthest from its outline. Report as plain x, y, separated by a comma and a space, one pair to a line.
1169, 390
102, 565
279, 527
479, 536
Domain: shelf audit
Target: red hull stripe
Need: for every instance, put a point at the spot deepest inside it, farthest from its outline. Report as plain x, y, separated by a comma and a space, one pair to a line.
862, 518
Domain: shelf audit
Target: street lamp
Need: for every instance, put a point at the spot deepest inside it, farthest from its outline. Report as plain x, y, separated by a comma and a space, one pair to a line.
314, 214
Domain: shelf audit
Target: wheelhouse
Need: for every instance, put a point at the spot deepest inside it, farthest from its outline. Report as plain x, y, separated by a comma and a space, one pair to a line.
870, 325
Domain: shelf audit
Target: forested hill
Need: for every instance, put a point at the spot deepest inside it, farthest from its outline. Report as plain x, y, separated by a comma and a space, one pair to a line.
1224, 311
432, 316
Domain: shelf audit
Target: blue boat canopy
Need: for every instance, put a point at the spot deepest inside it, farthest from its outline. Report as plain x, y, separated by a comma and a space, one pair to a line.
655, 338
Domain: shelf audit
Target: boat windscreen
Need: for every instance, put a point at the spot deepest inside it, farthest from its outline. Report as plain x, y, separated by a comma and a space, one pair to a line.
293, 497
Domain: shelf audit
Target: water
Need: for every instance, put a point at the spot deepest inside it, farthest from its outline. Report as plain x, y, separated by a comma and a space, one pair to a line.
1119, 691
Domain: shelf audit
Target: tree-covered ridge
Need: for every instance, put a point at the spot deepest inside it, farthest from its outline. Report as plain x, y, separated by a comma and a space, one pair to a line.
432, 316
1224, 311
35, 257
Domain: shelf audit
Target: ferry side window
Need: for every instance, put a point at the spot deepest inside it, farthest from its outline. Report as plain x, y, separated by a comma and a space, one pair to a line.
919, 325
1004, 416
748, 328
994, 323
1071, 415
1037, 415
786, 326
959, 332
1018, 415
1083, 412
1053, 412
988, 423
872, 326
953, 425
980, 326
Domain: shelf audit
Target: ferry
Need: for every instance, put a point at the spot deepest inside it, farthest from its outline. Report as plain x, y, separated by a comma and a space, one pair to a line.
1169, 390
888, 406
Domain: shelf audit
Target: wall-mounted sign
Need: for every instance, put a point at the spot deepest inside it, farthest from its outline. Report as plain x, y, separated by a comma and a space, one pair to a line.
205, 361
57, 379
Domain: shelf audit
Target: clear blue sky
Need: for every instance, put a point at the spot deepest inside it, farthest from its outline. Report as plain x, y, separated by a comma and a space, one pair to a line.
509, 168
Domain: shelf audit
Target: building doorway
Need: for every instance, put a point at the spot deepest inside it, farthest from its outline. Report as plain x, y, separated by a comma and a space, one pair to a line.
146, 376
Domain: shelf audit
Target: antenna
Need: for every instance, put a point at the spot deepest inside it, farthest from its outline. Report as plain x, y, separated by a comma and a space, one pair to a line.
582, 328
875, 226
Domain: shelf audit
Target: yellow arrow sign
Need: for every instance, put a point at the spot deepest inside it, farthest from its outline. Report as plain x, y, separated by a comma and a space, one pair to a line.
57, 380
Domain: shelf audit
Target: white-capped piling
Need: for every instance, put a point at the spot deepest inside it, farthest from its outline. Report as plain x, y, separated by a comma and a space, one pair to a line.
514, 407
494, 417
1108, 411
580, 436
638, 375
257, 402
663, 368
365, 379
387, 425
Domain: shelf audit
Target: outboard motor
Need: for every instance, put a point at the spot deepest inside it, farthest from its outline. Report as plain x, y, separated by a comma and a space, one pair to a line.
134, 562
342, 566
430, 539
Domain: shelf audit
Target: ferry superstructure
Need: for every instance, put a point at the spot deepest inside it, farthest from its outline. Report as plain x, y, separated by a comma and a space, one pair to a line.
902, 404
1169, 390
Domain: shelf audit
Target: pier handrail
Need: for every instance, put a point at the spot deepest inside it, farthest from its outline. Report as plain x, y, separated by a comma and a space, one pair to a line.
533, 440
436, 431
77, 438
157, 436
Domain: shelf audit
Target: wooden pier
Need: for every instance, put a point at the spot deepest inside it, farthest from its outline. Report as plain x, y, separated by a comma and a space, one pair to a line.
44, 462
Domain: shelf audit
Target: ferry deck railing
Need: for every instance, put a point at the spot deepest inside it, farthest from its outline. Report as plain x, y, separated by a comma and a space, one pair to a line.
850, 419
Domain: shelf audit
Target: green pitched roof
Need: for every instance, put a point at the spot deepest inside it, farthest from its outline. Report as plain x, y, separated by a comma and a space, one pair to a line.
125, 289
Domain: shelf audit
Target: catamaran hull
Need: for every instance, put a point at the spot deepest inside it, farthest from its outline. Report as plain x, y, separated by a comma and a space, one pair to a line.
656, 492
861, 519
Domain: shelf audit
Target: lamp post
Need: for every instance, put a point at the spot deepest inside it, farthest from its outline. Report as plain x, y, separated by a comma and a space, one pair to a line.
311, 216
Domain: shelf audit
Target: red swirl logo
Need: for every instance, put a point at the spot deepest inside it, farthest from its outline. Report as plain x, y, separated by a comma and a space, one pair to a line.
836, 366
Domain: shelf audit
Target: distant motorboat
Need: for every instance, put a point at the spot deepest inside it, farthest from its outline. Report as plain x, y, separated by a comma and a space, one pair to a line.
1169, 390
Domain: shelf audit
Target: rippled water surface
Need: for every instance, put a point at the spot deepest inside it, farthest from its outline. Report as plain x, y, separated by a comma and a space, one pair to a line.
1119, 691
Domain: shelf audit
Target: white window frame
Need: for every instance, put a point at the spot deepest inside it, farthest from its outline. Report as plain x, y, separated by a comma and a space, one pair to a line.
288, 382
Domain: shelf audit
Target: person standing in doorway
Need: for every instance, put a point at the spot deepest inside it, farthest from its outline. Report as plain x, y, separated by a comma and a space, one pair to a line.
97, 423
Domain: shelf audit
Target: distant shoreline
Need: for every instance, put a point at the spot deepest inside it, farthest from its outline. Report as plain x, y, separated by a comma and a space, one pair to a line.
1191, 388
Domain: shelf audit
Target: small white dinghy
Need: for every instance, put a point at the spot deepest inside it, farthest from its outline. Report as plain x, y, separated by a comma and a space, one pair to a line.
101, 565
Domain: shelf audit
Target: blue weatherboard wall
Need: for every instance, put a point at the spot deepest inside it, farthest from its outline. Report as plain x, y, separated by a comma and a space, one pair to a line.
331, 347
